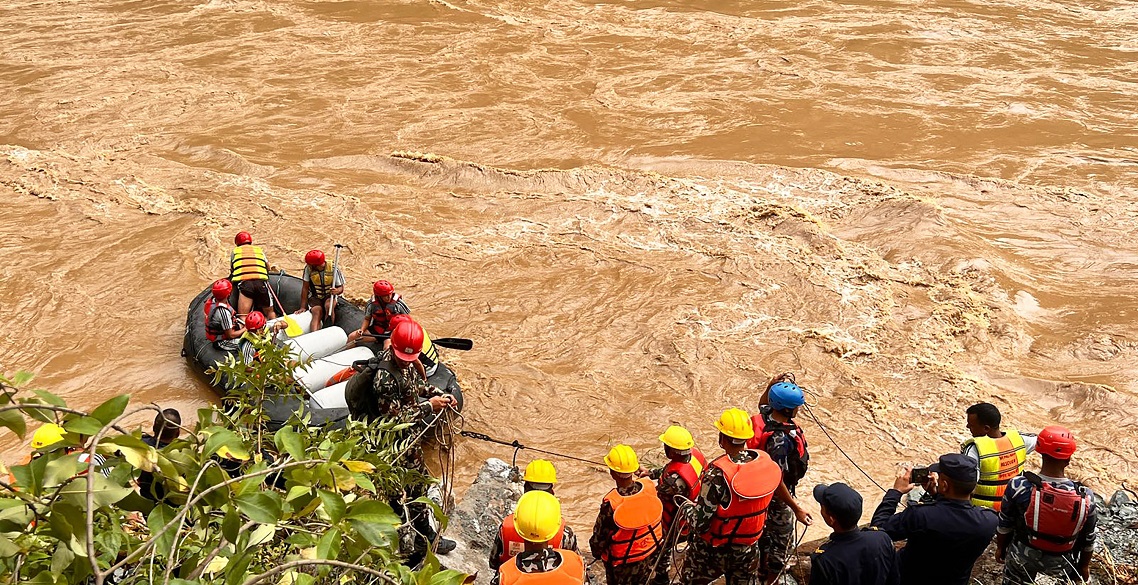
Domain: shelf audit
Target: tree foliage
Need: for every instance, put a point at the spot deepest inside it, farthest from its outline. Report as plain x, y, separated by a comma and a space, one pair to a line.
236, 503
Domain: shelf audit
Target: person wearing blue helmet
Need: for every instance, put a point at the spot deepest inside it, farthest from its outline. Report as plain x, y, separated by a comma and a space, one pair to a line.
782, 439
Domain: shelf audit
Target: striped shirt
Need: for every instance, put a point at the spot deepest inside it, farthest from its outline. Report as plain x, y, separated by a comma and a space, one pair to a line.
222, 318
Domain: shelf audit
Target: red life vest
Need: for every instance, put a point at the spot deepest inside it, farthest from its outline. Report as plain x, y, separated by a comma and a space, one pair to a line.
798, 458
381, 316
212, 333
571, 571
752, 484
689, 472
513, 543
638, 519
1055, 516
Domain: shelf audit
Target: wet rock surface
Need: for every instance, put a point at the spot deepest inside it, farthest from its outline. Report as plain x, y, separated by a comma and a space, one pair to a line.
475, 520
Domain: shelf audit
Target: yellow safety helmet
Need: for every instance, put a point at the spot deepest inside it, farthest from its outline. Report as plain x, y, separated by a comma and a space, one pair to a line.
622, 459
540, 471
736, 424
48, 434
538, 516
678, 438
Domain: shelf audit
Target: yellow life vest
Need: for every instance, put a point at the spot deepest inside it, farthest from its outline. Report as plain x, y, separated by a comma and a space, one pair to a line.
1000, 460
321, 282
430, 354
249, 264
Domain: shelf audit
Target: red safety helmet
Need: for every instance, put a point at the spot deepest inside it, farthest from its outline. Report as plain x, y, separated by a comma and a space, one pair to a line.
222, 289
1056, 441
382, 288
255, 321
314, 258
395, 320
243, 238
407, 341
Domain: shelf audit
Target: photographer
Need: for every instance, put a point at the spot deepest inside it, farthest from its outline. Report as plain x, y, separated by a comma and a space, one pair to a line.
944, 537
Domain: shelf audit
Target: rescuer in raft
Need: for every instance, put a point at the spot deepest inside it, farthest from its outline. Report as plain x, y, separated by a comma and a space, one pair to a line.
322, 282
727, 520
1047, 521
628, 533
221, 325
249, 271
541, 476
538, 520
385, 304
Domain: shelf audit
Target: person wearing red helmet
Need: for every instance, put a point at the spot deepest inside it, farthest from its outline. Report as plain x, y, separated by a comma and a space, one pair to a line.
1047, 521
384, 305
249, 271
255, 326
322, 281
221, 326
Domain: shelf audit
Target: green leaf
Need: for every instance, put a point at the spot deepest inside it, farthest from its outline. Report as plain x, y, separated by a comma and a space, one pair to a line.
84, 425
288, 441
62, 469
14, 421
50, 398
30, 476
231, 525
334, 505
111, 409
105, 493
263, 507
261, 534
228, 439
381, 535
8, 549
160, 516
61, 560
373, 511
66, 520
22, 377
235, 572
448, 577
363, 482
328, 547
434, 506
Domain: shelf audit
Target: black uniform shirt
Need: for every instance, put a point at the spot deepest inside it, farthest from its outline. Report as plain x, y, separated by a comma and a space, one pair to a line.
945, 538
857, 557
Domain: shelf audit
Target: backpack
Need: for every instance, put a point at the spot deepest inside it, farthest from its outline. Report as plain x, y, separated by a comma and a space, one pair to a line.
1055, 516
798, 458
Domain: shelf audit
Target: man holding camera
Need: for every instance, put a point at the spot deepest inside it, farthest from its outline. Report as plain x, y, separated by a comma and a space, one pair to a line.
944, 537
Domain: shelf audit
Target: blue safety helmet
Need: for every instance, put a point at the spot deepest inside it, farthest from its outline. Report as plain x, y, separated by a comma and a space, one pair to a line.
786, 396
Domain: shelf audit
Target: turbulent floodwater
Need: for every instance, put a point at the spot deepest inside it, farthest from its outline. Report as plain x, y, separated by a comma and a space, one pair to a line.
638, 210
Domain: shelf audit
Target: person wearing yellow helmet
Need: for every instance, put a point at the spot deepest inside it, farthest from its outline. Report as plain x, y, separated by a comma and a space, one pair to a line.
541, 476
728, 516
679, 479
539, 521
628, 533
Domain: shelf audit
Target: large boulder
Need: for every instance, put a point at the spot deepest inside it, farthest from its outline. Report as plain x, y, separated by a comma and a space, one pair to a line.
475, 521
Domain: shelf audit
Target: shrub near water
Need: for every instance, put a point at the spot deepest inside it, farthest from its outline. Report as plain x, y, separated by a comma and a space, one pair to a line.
239, 505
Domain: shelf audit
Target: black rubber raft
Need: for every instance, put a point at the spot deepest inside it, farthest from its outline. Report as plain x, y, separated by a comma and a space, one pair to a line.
202, 356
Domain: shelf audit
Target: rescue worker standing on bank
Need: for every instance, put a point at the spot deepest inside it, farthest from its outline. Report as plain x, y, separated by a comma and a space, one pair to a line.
778, 435
944, 537
851, 556
1000, 454
322, 282
538, 520
627, 534
540, 476
727, 519
678, 479
1047, 521
385, 303
249, 272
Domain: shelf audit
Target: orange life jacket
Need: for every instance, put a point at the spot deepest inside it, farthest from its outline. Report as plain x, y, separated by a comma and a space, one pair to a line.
689, 472
752, 485
638, 518
571, 571
513, 543
341, 376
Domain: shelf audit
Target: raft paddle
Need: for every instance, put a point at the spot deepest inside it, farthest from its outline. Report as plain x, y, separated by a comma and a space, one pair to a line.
459, 343
335, 298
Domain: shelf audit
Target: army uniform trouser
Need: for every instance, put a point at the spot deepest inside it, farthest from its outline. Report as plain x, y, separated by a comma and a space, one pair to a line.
705, 563
636, 573
1022, 563
663, 566
777, 539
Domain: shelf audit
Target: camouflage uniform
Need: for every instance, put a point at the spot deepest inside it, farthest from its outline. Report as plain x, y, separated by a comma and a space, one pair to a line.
778, 532
705, 563
604, 530
568, 542
667, 488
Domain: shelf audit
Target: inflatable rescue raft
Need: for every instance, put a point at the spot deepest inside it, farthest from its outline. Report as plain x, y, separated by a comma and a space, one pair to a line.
324, 377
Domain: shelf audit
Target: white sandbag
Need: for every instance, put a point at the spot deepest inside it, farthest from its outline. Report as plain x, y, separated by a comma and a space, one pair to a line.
317, 344
317, 374
303, 319
331, 397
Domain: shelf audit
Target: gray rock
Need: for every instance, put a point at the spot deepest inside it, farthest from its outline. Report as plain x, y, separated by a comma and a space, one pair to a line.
475, 521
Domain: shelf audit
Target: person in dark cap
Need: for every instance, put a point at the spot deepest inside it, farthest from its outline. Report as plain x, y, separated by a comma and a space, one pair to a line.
944, 537
851, 556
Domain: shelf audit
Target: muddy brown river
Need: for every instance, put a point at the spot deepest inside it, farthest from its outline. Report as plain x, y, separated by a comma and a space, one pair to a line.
638, 210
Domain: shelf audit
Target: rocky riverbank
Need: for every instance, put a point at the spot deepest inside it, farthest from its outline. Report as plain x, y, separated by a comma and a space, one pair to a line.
493, 495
